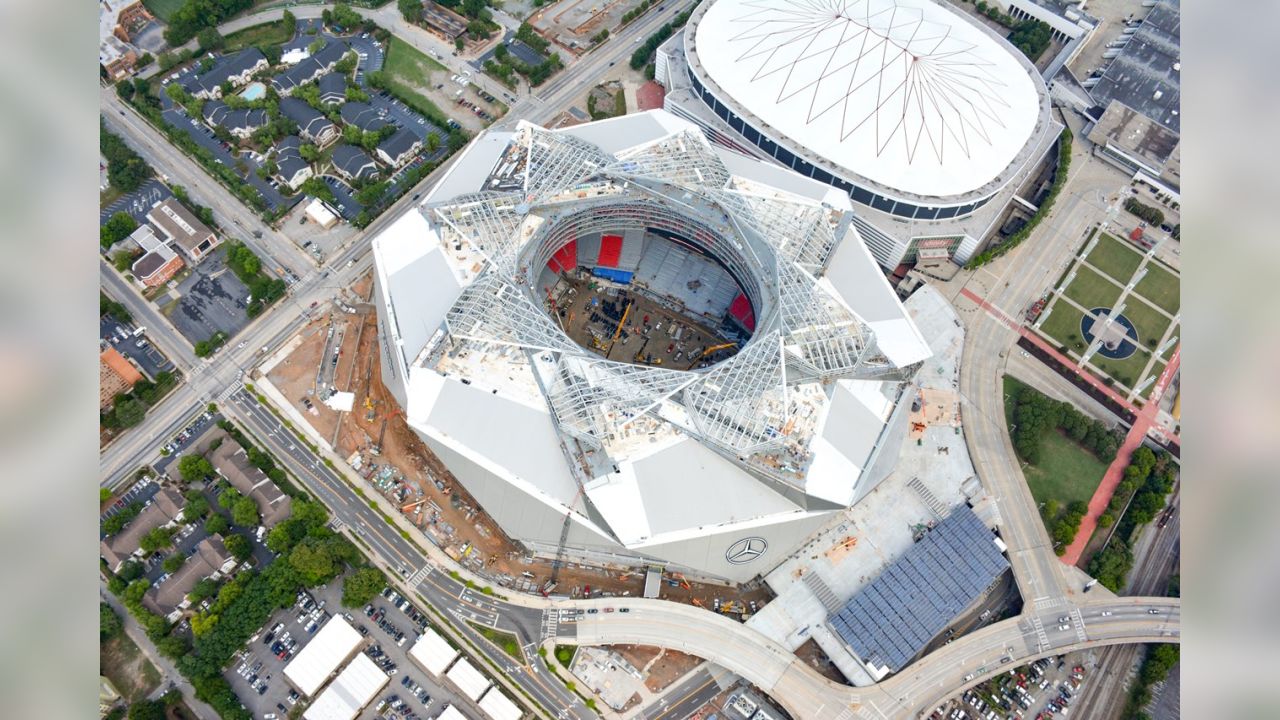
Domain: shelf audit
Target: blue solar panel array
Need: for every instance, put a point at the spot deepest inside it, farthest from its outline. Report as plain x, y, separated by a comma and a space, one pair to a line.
891, 619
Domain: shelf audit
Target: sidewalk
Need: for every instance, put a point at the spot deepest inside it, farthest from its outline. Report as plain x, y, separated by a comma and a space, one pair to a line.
169, 674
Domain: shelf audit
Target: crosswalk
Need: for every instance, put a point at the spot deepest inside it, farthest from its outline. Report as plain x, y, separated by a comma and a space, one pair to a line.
550, 623
1042, 640
420, 576
1078, 622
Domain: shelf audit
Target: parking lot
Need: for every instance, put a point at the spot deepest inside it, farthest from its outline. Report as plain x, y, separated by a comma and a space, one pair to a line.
186, 437
141, 493
1042, 690
389, 633
139, 349
137, 203
210, 299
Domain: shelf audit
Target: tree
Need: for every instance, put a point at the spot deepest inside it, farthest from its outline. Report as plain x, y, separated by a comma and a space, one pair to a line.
173, 562
309, 152
195, 510
117, 228
146, 710
158, 538
109, 624
245, 512
410, 10
344, 17
228, 498
209, 39
216, 525
203, 589
433, 141
193, 467
316, 45
239, 546
458, 43
129, 412
361, 586
313, 563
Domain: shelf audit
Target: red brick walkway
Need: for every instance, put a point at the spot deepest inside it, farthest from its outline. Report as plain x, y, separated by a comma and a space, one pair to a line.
1144, 419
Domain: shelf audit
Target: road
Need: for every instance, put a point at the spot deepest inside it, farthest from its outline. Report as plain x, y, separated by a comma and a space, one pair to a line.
771, 667
681, 700
1155, 556
743, 651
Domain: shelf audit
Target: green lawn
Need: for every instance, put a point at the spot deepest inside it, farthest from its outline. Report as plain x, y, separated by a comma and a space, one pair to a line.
1062, 323
407, 64
1151, 323
1160, 287
504, 640
1115, 258
1092, 289
163, 9
272, 33
1066, 472
1124, 371
108, 196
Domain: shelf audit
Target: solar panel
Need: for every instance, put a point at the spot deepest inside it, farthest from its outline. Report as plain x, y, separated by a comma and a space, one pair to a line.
894, 616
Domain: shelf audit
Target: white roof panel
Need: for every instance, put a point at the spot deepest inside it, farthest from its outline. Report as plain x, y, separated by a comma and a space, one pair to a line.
453, 713
906, 93
469, 680
855, 277
500, 707
433, 652
330, 647
349, 692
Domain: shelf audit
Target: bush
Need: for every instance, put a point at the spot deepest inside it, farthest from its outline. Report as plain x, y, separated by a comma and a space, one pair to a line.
1153, 216
109, 624
126, 170
1059, 178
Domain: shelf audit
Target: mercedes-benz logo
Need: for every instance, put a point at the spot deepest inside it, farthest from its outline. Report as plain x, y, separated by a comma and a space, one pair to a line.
746, 550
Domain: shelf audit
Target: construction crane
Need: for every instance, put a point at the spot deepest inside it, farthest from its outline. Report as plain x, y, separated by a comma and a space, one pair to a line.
382, 433
564, 537
618, 330
709, 351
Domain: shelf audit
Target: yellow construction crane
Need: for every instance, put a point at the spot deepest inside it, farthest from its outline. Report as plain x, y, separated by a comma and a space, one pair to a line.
709, 351
618, 330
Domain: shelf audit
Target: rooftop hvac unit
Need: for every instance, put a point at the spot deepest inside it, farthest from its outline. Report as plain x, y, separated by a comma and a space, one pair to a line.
1129, 31
1157, 95
1177, 67
1091, 82
1110, 54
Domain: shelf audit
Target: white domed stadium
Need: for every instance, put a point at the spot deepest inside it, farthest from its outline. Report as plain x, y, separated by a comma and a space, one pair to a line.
634, 348
920, 113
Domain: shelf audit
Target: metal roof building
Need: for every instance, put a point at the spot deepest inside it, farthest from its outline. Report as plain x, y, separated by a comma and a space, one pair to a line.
894, 617
327, 651
779, 437
498, 706
433, 652
358, 684
469, 680
453, 713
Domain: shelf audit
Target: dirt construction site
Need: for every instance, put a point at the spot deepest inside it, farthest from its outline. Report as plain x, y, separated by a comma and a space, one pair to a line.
335, 363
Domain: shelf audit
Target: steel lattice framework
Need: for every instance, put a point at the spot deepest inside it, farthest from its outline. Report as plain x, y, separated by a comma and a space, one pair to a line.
740, 406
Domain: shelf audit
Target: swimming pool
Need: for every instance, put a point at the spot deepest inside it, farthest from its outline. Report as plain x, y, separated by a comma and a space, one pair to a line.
254, 91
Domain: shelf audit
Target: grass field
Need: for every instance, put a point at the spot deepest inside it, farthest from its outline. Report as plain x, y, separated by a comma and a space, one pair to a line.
127, 668
272, 33
504, 640
1115, 258
1151, 323
1124, 371
1062, 323
1160, 287
163, 9
407, 64
1092, 289
1066, 472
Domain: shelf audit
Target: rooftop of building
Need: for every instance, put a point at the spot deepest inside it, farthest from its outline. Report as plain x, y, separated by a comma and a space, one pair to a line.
1146, 75
908, 94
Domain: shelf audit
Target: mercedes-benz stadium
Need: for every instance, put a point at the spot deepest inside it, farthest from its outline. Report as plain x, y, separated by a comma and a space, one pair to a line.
924, 116
635, 348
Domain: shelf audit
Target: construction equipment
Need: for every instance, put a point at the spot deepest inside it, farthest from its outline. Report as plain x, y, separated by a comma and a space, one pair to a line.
706, 352
382, 432
618, 330
683, 583
699, 603
564, 537
411, 505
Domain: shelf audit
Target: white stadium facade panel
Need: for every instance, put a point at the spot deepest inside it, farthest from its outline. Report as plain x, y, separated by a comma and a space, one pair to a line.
779, 352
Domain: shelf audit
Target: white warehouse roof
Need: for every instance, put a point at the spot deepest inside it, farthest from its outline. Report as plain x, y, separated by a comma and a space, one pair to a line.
433, 652
453, 713
906, 93
469, 680
349, 692
325, 653
500, 707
